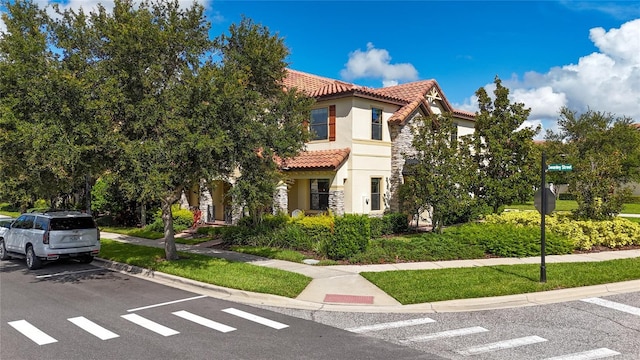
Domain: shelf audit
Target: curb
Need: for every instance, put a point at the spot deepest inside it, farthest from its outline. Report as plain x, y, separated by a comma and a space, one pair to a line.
461, 305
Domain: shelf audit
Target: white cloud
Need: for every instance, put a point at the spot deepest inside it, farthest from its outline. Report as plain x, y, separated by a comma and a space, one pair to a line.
376, 63
607, 80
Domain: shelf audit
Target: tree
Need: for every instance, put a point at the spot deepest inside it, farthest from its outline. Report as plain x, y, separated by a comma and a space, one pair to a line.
264, 121
605, 153
502, 150
56, 138
437, 179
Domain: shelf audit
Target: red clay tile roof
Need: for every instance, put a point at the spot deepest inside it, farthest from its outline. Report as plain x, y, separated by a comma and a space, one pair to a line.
637, 125
317, 159
409, 96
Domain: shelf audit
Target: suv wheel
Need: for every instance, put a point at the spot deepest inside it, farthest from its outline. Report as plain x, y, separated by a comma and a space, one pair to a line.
86, 259
3, 251
32, 260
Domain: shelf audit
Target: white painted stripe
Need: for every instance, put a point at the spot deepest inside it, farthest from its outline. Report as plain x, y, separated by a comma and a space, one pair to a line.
32, 332
500, 345
587, 355
204, 321
391, 325
614, 305
167, 303
256, 318
93, 328
447, 334
150, 325
68, 273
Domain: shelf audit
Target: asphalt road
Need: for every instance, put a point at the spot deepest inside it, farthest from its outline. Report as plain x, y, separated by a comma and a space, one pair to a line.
592, 328
68, 311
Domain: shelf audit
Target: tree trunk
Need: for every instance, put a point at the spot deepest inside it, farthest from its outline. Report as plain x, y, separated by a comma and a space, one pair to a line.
143, 214
167, 218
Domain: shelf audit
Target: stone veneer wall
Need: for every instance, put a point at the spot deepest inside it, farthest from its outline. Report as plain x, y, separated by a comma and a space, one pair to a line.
401, 138
281, 200
336, 202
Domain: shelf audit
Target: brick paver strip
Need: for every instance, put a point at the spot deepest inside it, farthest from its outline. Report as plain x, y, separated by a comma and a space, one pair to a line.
351, 299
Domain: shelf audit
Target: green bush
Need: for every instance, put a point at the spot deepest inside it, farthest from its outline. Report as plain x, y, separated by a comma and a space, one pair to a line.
566, 196
182, 220
584, 234
398, 222
351, 235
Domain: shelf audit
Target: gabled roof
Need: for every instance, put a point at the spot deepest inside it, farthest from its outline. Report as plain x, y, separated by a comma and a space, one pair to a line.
408, 96
316, 159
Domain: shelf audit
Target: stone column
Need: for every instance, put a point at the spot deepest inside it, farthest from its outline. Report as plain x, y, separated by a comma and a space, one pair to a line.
336, 202
281, 199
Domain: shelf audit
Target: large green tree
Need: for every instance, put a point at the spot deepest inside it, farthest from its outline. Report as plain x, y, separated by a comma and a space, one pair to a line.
263, 120
55, 138
502, 150
436, 179
605, 153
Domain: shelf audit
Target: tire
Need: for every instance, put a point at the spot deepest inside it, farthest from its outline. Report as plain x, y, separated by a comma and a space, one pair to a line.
32, 260
86, 259
3, 251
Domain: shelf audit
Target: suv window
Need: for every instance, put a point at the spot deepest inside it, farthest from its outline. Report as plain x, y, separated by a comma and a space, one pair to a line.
24, 222
42, 223
72, 223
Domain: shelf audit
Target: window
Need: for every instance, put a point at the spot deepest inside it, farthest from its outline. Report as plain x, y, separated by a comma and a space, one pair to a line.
24, 222
319, 194
376, 124
454, 135
375, 193
42, 223
319, 124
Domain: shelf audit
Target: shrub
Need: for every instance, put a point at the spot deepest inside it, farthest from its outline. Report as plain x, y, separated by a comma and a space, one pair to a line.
182, 220
350, 236
584, 234
398, 222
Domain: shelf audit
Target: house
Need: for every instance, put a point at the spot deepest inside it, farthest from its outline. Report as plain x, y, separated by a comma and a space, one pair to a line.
354, 162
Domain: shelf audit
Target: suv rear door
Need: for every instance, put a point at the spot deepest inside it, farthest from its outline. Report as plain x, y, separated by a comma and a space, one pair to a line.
72, 232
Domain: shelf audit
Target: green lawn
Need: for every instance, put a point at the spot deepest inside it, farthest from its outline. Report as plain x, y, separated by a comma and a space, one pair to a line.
221, 272
420, 286
568, 205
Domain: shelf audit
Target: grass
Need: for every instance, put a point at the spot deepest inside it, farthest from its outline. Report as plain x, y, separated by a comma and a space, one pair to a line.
137, 232
221, 272
635, 220
271, 253
420, 286
568, 205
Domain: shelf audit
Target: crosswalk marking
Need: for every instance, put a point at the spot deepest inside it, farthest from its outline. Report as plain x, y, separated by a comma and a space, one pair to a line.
166, 303
150, 325
614, 305
204, 321
255, 318
391, 325
93, 328
32, 332
446, 334
500, 345
587, 355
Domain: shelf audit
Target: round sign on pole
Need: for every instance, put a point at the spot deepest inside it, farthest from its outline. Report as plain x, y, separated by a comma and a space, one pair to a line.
550, 199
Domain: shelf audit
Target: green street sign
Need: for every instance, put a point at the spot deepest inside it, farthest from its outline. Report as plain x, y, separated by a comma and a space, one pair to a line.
560, 167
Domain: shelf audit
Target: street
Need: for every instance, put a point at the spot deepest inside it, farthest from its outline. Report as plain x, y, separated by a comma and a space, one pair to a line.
592, 328
68, 311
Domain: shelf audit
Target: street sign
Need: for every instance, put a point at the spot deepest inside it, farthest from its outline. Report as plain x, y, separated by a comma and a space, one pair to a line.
560, 167
550, 198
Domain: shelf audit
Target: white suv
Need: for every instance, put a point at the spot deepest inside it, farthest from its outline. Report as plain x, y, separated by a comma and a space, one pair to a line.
50, 236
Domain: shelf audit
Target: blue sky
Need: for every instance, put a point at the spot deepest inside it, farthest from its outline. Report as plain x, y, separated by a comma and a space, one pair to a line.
580, 54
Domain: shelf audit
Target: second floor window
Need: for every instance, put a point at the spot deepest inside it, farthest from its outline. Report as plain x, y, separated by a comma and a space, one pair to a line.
376, 124
319, 125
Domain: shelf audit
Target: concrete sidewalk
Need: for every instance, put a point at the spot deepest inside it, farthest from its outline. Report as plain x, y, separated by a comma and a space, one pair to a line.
341, 288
